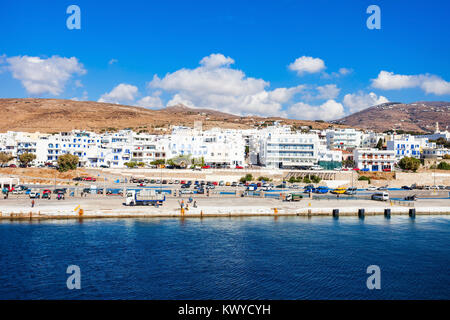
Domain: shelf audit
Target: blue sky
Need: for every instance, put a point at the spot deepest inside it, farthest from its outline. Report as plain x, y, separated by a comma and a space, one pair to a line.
300, 59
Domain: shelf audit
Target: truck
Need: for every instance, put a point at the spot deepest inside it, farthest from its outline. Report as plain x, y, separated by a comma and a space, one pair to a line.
144, 198
293, 197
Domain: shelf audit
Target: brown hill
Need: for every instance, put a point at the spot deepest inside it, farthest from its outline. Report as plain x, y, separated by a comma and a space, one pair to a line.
55, 115
418, 117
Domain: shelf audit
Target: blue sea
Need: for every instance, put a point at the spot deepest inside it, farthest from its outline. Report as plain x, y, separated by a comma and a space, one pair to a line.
227, 258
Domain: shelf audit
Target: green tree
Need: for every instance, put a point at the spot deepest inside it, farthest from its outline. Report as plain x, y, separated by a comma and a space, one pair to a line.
130, 164
5, 158
26, 158
443, 166
347, 163
315, 179
409, 163
67, 162
248, 177
380, 144
158, 162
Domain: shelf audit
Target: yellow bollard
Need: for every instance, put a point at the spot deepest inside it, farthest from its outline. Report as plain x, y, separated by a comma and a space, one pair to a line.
80, 212
182, 211
275, 210
309, 204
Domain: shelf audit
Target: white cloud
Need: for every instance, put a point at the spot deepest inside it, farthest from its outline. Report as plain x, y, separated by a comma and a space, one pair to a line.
216, 86
329, 110
40, 76
153, 101
112, 61
427, 82
216, 60
328, 91
345, 71
305, 64
435, 85
123, 93
360, 101
83, 98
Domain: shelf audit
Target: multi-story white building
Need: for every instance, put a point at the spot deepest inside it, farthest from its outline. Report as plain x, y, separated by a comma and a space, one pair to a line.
408, 146
329, 159
373, 159
289, 150
347, 138
435, 153
216, 146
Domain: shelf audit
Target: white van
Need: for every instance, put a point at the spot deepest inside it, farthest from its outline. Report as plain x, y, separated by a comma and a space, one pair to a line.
381, 196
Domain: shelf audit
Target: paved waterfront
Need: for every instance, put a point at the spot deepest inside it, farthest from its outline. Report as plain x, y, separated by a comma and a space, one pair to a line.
113, 206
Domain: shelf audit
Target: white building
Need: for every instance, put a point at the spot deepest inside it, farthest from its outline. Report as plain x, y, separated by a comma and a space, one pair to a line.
347, 138
369, 159
438, 134
217, 147
289, 150
436, 153
408, 146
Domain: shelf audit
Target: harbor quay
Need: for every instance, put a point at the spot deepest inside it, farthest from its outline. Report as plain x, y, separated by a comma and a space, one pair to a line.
215, 206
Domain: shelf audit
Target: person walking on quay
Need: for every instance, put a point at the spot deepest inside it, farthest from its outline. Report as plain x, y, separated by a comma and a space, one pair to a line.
32, 203
190, 199
195, 204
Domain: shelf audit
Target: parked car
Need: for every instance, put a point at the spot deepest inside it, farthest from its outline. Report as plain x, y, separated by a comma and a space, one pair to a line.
47, 196
206, 167
380, 196
371, 188
351, 191
340, 190
34, 194
239, 167
410, 198
406, 188
382, 188
185, 186
321, 189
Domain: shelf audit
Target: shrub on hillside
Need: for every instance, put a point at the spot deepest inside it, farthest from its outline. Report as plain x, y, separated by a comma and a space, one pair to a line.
409, 163
443, 166
67, 162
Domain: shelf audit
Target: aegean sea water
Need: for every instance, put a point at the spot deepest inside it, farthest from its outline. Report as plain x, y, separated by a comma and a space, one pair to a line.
227, 258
